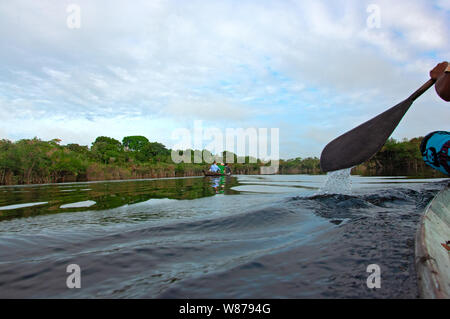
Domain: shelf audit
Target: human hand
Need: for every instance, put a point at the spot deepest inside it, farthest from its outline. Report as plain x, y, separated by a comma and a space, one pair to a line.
442, 79
438, 70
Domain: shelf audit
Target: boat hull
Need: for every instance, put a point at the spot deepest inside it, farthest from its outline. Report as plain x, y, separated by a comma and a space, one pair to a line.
206, 173
432, 248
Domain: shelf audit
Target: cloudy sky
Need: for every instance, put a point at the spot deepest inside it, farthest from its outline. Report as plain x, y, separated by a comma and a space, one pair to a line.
313, 69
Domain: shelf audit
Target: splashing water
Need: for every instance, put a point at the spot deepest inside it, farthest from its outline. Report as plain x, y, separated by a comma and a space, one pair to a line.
337, 182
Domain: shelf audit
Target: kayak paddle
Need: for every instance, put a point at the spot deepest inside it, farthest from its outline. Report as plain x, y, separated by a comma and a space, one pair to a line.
364, 141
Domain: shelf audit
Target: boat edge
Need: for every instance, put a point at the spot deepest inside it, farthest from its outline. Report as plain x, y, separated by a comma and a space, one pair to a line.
427, 272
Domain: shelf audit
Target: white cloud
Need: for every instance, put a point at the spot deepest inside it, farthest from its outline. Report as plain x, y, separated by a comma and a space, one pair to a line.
443, 4
231, 63
84, 132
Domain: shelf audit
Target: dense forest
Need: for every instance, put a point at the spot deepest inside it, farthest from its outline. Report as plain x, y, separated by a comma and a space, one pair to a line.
401, 158
32, 161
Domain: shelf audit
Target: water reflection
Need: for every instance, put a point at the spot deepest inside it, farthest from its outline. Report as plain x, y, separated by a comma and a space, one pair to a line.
57, 198
218, 184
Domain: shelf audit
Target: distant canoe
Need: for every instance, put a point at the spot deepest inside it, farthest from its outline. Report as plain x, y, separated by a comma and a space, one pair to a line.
208, 173
432, 248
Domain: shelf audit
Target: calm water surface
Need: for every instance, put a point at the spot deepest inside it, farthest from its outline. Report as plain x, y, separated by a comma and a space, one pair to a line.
235, 237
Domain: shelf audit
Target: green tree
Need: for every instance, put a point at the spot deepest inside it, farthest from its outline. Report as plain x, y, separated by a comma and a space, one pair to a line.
64, 162
34, 160
155, 151
78, 148
108, 150
135, 143
9, 159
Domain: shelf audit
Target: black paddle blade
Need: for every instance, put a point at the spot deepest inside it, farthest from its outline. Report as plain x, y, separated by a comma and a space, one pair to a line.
364, 141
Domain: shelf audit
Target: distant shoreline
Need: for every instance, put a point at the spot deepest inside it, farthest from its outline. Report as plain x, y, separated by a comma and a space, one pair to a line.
33, 161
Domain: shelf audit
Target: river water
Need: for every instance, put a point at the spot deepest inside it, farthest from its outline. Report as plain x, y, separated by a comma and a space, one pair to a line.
236, 237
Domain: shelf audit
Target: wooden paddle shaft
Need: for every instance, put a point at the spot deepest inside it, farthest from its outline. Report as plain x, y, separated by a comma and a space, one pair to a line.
422, 89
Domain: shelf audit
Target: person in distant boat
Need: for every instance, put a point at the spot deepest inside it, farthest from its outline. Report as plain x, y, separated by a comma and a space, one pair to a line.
214, 168
436, 145
221, 168
227, 169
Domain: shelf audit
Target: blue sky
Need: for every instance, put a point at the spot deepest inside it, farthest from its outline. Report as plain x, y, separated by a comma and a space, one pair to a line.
313, 69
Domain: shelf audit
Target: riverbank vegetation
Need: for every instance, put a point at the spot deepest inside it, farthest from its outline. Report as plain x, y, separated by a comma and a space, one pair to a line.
401, 158
33, 161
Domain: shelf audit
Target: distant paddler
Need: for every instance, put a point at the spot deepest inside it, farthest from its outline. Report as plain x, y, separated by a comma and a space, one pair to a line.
221, 168
227, 169
214, 168
218, 170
